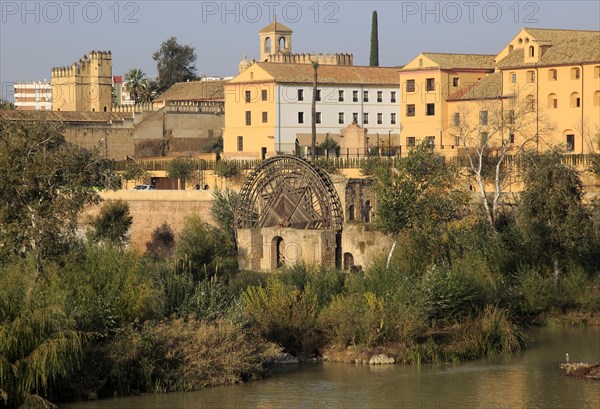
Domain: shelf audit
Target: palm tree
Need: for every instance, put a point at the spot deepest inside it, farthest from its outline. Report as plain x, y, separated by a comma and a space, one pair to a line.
135, 78
148, 90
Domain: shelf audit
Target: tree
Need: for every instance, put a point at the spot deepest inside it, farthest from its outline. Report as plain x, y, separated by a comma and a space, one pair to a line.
180, 169
46, 182
551, 214
161, 243
329, 144
113, 222
6, 105
133, 171
175, 63
222, 210
374, 56
313, 143
488, 132
416, 193
135, 78
148, 91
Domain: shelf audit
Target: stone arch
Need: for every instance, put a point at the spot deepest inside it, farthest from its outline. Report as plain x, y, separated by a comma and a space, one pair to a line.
268, 45
282, 43
348, 261
277, 253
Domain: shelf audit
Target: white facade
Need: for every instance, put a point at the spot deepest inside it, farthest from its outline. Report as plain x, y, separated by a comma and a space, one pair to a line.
374, 107
33, 95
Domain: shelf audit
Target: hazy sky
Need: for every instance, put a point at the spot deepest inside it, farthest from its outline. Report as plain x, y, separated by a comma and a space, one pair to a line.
37, 35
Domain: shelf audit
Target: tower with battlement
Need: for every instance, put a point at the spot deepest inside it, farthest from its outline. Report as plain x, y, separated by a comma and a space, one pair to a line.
276, 46
84, 86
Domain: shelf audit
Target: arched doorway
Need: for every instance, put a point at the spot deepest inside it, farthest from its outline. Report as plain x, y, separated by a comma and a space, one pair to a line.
348, 261
277, 252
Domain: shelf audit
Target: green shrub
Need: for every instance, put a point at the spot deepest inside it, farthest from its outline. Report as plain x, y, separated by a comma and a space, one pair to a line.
326, 282
161, 244
113, 222
287, 316
537, 290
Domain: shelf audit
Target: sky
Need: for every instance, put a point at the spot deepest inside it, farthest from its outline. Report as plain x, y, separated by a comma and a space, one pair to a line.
38, 35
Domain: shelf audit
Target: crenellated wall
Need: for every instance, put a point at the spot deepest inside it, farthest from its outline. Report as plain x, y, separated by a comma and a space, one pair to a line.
85, 85
308, 58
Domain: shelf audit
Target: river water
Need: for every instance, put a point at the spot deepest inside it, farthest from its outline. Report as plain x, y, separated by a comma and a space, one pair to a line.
531, 379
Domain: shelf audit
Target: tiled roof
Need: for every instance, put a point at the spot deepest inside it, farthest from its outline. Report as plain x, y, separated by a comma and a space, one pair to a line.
275, 26
64, 116
567, 47
194, 91
331, 74
448, 61
487, 88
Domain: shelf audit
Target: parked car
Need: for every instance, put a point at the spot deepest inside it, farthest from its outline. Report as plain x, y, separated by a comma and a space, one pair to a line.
144, 187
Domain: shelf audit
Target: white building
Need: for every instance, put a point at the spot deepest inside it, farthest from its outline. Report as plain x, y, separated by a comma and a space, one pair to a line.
33, 96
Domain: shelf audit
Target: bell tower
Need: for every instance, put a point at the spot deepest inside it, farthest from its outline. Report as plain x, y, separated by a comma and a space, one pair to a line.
275, 39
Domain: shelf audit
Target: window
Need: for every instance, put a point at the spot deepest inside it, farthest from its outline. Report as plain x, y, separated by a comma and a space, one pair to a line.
511, 138
300, 95
300, 117
379, 96
318, 95
510, 49
531, 76
530, 102
393, 97
318, 117
265, 117
430, 109
456, 118
574, 73
430, 140
248, 96
430, 84
513, 77
420, 62
531, 51
575, 100
393, 118
552, 101
248, 118
341, 96
365, 96
597, 98
570, 143
552, 75
410, 110
341, 118
240, 143
410, 141
379, 118
366, 118
263, 94
410, 85
455, 82
484, 138
597, 71
355, 117
483, 117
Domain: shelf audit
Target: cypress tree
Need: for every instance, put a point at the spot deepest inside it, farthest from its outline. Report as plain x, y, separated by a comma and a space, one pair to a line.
374, 60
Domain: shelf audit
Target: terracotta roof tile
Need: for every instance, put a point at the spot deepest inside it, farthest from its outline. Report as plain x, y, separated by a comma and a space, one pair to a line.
275, 26
332, 74
489, 87
194, 91
448, 61
64, 116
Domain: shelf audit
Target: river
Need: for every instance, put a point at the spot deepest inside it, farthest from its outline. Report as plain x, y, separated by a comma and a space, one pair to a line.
530, 379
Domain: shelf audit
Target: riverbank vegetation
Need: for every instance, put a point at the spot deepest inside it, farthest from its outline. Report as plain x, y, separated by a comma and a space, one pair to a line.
83, 316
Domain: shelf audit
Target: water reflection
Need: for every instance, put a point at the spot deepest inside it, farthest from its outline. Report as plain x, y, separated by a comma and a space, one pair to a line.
530, 379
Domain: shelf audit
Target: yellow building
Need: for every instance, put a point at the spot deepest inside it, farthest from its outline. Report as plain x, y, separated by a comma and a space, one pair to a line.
542, 89
86, 85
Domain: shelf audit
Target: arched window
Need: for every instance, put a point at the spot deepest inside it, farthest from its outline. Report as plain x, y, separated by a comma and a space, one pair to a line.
597, 71
552, 101
268, 45
282, 45
574, 73
531, 76
510, 48
531, 51
575, 100
348, 261
351, 213
552, 75
597, 99
420, 62
569, 138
